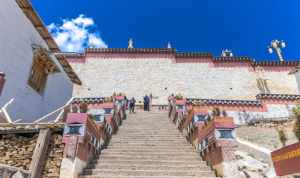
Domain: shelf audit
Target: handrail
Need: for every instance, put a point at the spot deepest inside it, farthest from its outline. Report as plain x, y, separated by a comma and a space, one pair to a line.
3, 109
62, 111
53, 112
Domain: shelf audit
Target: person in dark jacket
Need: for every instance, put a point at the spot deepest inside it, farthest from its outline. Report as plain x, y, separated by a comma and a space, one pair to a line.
132, 105
146, 103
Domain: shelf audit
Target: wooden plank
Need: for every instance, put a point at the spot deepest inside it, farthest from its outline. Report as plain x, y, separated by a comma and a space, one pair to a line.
40, 153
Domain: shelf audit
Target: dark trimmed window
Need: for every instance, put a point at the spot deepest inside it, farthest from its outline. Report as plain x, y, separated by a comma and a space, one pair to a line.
226, 134
74, 130
38, 75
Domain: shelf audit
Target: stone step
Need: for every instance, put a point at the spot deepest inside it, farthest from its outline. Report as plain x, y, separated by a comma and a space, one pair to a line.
148, 136
124, 141
112, 172
120, 153
148, 162
144, 133
150, 157
117, 166
178, 136
153, 147
152, 151
170, 139
151, 135
149, 145
122, 176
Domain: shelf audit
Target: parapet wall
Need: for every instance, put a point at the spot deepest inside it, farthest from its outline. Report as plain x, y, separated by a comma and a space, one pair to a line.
266, 107
193, 75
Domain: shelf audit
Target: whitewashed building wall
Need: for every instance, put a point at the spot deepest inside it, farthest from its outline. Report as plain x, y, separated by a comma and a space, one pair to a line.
161, 77
16, 36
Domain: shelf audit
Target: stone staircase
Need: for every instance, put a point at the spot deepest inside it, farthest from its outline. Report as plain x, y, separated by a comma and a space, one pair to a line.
147, 145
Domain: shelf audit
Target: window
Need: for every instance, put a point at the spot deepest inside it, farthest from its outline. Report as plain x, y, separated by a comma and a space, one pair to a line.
108, 110
226, 134
38, 75
74, 129
99, 118
179, 107
42, 66
199, 118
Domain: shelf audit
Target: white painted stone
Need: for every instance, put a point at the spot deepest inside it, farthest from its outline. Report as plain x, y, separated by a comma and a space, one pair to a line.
17, 35
71, 168
18, 175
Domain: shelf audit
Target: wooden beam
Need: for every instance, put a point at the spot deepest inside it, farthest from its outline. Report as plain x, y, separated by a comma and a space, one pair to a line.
40, 153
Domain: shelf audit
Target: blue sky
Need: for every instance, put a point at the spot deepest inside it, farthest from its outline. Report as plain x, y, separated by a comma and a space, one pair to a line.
245, 26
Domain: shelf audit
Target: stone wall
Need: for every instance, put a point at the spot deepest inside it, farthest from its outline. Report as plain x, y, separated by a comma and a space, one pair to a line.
161, 76
55, 156
17, 149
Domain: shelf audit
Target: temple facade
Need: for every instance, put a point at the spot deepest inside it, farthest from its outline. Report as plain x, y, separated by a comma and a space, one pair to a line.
162, 71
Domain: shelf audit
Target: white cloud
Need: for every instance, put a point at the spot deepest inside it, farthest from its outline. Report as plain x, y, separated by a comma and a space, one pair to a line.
73, 35
95, 40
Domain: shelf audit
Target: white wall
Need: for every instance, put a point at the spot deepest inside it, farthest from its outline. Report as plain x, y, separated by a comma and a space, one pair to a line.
16, 36
139, 76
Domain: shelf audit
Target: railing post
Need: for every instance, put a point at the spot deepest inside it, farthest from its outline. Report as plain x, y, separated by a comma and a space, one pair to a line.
40, 153
81, 137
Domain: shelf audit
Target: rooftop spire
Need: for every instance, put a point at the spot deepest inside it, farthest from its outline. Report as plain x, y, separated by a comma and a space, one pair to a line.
227, 53
169, 45
130, 43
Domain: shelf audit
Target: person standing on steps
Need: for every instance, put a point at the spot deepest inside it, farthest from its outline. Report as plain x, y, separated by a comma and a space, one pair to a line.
150, 101
146, 103
132, 105
126, 102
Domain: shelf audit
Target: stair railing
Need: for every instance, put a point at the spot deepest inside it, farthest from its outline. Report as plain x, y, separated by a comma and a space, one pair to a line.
61, 111
4, 111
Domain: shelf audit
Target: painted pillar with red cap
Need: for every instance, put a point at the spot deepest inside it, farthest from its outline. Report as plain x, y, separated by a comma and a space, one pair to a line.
2, 81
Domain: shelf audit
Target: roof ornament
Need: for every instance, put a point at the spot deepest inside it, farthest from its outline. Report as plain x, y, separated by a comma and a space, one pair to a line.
130, 43
226, 53
169, 46
277, 46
